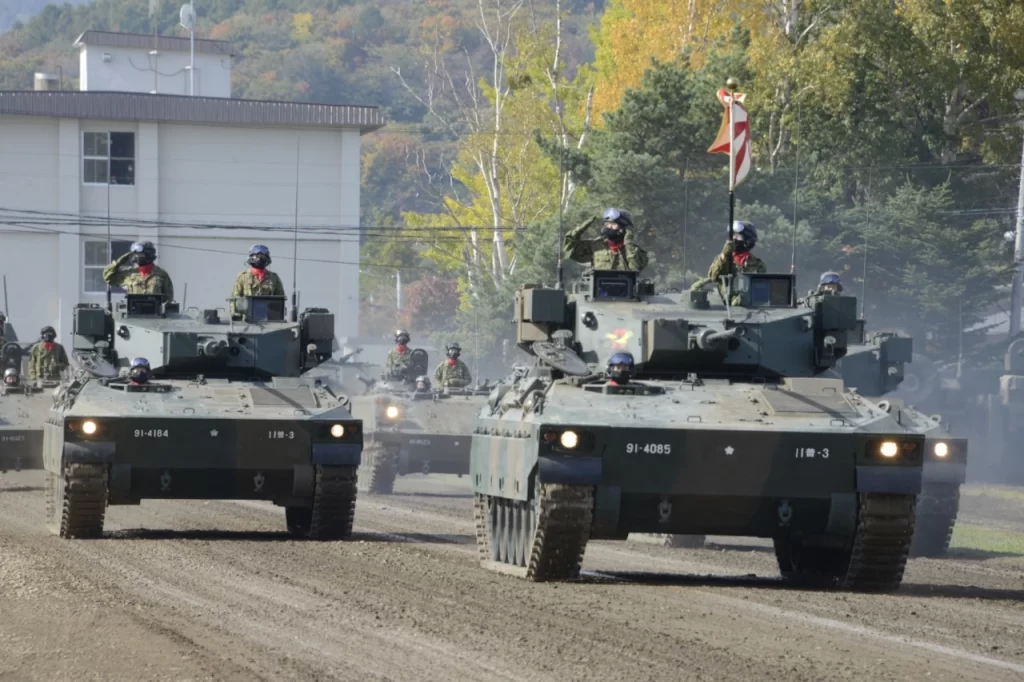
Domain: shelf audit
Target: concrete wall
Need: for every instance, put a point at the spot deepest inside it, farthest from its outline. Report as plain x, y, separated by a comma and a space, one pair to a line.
186, 177
135, 70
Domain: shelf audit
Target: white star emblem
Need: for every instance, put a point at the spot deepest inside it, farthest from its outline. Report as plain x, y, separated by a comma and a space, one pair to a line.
729, 449
456, 443
213, 433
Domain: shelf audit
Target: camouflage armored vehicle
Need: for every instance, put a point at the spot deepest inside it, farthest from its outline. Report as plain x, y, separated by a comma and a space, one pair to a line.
727, 428
875, 367
408, 429
23, 409
227, 414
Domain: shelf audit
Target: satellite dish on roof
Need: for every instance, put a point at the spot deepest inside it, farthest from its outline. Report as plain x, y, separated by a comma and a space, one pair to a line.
187, 16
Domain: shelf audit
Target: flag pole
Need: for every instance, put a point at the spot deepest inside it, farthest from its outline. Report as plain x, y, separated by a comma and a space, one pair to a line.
733, 85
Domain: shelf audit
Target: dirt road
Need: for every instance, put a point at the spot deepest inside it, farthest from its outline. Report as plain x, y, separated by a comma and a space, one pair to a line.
217, 591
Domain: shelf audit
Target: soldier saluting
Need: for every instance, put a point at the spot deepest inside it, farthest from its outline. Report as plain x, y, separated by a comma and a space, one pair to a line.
613, 250
136, 272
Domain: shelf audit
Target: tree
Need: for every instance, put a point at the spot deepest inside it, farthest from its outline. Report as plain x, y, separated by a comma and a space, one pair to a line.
429, 304
928, 271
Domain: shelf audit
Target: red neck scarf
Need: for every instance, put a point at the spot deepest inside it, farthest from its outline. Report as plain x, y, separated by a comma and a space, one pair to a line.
259, 273
144, 270
401, 348
740, 258
614, 246
451, 362
48, 345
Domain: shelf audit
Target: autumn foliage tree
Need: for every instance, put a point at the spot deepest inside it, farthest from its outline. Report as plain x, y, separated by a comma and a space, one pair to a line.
429, 305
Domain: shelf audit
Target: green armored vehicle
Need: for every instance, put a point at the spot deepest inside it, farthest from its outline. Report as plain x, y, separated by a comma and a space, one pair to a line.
883, 365
23, 409
727, 428
225, 414
409, 425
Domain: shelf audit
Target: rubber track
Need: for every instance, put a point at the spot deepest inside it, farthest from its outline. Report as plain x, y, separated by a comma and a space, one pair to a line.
882, 543
85, 501
381, 471
565, 514
334, 503
937, 509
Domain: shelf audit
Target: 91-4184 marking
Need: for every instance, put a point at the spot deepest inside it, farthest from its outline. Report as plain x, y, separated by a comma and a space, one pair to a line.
811, 453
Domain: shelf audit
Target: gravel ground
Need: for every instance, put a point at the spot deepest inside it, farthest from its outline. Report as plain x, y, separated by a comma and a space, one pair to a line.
218, 591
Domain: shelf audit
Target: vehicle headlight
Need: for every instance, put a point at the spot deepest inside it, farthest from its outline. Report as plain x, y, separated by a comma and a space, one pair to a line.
941, 449
337, 430
569, 439
89, 427
391, 412
889, 449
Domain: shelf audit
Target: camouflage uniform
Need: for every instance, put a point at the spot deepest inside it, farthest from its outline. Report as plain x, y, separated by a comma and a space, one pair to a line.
248, 284
455, 376
724, 265
397, 361
46, 364
599, 255
133, 282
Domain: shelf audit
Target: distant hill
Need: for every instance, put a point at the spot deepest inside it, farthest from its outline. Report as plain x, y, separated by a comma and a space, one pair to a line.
14, 11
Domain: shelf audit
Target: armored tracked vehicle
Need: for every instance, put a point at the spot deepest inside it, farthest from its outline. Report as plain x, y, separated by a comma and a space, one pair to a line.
227, 414
875, 367
729, 428
23, 409
410, 430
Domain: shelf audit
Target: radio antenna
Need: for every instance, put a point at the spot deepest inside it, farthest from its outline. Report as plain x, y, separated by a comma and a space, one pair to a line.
561, 203
295, 238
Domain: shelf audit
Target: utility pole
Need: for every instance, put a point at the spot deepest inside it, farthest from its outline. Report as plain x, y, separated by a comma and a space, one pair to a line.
398, 291
1018, 241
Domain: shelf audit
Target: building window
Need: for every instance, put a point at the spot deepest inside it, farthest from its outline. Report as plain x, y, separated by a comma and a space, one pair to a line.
96, 258
108, 158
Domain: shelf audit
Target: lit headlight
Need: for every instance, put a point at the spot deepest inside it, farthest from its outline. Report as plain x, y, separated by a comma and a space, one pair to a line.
337, 430
569, 439
889, 449
941, 449
391, 412
89, 428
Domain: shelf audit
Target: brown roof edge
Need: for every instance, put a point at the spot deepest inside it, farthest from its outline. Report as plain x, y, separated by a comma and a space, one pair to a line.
135, 106
143, 41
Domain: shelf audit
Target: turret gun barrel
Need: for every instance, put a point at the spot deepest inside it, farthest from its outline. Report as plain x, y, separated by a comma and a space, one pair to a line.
712, 340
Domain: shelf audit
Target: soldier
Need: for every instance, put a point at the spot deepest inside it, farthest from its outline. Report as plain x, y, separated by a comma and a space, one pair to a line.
613, 250
452, 372
11, 377
3, 329
399, 357
423, 383
257, 280
829, 284
736, 257
48, 358
140, 371
621, 369
137, 274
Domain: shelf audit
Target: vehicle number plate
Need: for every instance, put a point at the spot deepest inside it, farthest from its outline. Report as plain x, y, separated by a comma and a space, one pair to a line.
649, 448
151, 433
281, 435
811, 453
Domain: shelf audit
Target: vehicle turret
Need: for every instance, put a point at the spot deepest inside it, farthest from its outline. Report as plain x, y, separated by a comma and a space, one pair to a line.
764, 336
261, 343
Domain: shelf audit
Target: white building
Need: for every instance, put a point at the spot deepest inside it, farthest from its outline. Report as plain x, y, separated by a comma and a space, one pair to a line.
190, 174
160, 65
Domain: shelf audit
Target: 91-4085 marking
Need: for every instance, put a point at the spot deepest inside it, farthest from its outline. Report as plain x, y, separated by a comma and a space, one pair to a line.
649, 448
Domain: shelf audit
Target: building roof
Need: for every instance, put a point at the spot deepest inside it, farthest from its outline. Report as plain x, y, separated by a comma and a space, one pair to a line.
135, 106
143, 41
